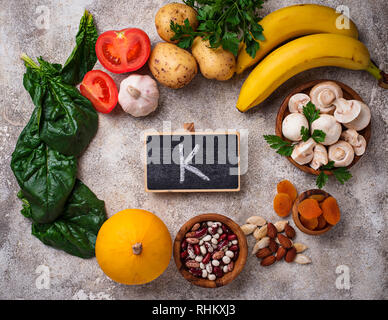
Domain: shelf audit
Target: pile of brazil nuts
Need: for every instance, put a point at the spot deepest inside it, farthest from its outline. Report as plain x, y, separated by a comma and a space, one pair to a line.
271, 244
209, 250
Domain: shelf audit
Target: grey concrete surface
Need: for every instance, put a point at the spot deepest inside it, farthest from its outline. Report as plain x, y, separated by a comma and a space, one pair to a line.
112, 167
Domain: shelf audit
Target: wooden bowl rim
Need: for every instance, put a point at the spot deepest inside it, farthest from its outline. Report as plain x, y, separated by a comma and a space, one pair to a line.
295, 213
283, 112
239, 263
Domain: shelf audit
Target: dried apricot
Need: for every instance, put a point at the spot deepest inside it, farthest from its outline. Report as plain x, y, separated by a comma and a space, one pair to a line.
331, 211
286, 186
310, 224
321, 222
318, 197
309, 209
282, 204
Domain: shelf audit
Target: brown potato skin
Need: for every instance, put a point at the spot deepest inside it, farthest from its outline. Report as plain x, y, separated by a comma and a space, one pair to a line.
217, 63
177, 12
172, 66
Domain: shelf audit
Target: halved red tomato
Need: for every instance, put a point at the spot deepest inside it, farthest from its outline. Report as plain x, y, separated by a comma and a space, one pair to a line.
101, 90
123, 51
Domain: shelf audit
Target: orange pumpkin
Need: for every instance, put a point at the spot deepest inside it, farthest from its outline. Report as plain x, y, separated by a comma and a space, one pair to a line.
133, 247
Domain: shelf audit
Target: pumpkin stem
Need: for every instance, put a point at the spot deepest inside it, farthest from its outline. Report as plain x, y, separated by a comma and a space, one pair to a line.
137, 248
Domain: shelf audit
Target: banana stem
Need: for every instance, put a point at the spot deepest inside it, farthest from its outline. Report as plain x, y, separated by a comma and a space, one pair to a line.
378, 74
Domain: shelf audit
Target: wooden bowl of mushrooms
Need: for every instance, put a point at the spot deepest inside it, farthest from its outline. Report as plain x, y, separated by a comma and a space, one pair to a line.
210, 250
340, 114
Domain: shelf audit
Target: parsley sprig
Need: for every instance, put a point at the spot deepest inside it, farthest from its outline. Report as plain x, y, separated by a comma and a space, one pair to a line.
341, 174
283, 148
312, 113
224, 23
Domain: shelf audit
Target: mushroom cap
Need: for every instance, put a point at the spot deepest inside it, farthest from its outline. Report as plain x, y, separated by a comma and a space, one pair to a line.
320, 157
341, 153
292, 124
324, 94
139, 95
346, 110
356, 140
362, 120
303, 152
297, 102
329, 125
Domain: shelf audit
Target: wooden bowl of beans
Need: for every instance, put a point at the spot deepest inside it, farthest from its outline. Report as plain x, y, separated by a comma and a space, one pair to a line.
210, 250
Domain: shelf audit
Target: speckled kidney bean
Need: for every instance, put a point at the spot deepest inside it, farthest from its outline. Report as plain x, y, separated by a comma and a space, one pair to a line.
196, 272
192, 264
207, 258
223, 236
196, 227
200, 233
197, 250
222, 244
232, 237
192, 240
218, 272
184, 254
209, 249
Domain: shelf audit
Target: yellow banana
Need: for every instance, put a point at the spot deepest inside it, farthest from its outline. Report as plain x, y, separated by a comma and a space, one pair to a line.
291, 22
305, 53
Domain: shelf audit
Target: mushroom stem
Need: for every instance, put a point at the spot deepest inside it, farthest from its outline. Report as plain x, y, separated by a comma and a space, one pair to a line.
378, 74
134, 92
137, 249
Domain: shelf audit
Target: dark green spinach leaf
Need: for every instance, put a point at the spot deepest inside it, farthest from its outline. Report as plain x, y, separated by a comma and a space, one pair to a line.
76, 231
83, 58
69, 121
45, 176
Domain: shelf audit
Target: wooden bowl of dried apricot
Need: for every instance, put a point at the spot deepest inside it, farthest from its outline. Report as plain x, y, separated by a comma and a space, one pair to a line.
315, 212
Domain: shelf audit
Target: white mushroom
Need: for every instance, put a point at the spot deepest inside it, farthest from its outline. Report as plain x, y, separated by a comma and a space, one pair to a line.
320, 157
341, 153
303, 152
292, 125
329, 125
362, 120
356, 140
324, 94
346, 110
139, 95
297, 102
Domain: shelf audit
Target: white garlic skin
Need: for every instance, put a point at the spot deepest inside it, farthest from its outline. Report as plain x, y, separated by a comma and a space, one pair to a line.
139, 95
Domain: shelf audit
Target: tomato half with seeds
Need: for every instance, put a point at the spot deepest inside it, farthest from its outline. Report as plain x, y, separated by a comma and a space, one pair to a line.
101, 90
123, 51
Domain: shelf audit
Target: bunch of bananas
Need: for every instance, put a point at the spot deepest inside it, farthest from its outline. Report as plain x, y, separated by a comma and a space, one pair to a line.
320, 44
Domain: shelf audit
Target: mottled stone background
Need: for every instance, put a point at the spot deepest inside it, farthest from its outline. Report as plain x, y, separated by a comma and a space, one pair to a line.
112, 168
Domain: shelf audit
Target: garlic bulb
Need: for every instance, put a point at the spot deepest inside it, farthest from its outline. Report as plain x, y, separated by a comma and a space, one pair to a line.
139, 95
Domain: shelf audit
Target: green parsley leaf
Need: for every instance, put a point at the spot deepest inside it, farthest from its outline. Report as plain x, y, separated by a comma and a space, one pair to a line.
328, 166
283, 148
318, 136
342, 175
310, 112
305, 133
322, 180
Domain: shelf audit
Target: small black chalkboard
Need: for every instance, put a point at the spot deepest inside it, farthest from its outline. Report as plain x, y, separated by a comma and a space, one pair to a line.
192, 162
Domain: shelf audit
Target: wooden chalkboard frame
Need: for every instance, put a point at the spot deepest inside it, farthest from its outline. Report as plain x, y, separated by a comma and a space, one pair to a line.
238, 189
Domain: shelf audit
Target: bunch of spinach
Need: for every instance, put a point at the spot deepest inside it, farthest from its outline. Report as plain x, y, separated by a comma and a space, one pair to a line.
65, 213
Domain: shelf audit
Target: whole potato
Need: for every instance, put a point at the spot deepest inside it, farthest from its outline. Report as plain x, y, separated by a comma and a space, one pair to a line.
217, 63
177, 12
172, 66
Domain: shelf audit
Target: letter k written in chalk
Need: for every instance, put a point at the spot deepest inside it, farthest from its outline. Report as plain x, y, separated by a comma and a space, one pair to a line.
184, 164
